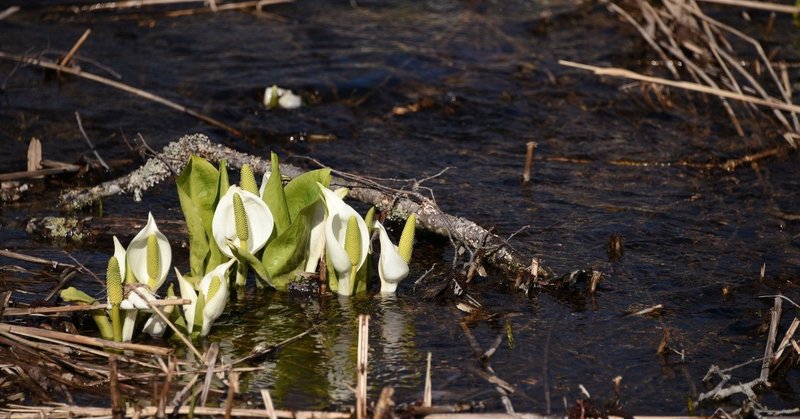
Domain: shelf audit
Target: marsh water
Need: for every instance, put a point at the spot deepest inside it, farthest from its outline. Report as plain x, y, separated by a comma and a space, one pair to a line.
484, 80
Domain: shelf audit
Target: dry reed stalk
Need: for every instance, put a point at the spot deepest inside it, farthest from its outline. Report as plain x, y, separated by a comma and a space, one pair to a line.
162, 397
74, 348
33, 174
256, 4
715, 71
66, 59
16, 311
270, 409
775, 317
120, 86
59, 411
127, 4
623, 73
210, 360
233, 388
427, 395
177, 332
89, 142
383, 409
759, 5
647, 310
765, 61
8, 12
530, 146
5, 297
502, 387
361, 365
786, 341
117, 407
84, 340
34, 155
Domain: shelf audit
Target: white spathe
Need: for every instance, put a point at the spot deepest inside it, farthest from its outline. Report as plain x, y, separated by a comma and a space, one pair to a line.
286, 98
392, 268
132, 303
216, 304
214, 307
259, 221
137, 255
336, 220
316, 239
187, 292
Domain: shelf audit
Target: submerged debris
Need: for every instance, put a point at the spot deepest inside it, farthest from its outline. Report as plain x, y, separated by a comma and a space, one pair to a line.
58, 229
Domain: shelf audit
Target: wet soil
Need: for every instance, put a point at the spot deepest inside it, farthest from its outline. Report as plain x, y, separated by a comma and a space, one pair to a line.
485, 80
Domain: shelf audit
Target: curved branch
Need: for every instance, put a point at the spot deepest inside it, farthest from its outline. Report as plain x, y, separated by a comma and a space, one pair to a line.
174, 156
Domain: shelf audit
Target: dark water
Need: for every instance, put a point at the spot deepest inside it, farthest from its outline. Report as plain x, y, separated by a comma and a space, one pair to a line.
488, 74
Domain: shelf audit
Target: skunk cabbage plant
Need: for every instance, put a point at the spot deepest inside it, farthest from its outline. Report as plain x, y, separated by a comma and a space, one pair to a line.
346, 242
208, 299
393, 261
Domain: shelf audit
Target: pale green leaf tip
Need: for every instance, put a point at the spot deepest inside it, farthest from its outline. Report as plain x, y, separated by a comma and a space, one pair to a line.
75, 295
368, 219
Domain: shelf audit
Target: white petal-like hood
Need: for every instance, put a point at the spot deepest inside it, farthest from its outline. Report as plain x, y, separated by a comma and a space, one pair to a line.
259, 221
137, 255
215, 305
391, 266
336, 219
188, 292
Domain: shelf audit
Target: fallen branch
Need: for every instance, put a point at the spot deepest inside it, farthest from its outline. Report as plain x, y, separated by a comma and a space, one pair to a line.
121, 86
399, 204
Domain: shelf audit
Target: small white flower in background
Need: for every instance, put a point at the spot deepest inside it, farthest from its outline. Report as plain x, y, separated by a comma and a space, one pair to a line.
275, 97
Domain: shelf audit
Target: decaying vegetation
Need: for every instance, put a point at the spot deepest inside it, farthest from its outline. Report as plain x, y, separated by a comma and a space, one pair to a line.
43, 369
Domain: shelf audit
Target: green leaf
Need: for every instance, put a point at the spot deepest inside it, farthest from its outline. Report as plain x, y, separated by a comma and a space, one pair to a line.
368, 221
285, 256
224, 182
198, 187
362, 277
275, 198
103, 325
245, 257
302, 191
74, 295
